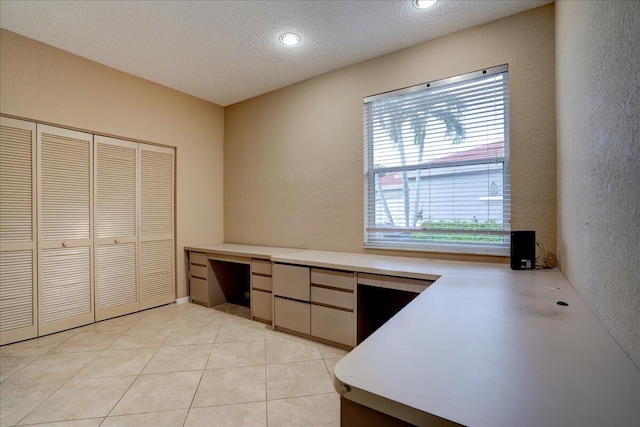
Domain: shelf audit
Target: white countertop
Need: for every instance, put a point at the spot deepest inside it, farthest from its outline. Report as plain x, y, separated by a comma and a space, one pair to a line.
417, 268
482, 346
249, 251
494, 349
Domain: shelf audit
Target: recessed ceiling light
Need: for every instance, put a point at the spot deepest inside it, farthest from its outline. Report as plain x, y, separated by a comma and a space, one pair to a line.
290, 39
424, 4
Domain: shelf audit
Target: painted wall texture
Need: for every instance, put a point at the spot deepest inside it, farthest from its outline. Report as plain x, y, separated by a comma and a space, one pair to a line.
598, 102
294, 157
46, 84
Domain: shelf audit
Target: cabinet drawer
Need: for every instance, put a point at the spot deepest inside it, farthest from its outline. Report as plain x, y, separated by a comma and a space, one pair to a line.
370, 279
198, 258
261, 282
406, 284
392, 282
199, 291
293, 315
331, 297
198, 271
291, 281
259, 266
261, 304
333, 325
335, 279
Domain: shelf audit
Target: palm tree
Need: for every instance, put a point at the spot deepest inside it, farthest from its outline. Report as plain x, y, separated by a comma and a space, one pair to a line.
391, 120
395, 112
381, 196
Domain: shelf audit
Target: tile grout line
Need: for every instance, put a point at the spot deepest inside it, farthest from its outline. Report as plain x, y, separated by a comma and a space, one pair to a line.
66, 381
136, 377
202, 374
228, 320
40, 404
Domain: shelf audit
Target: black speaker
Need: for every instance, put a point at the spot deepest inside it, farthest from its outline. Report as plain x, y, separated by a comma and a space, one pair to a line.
523, 250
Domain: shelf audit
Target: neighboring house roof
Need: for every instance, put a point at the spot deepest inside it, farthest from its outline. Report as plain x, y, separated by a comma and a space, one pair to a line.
486, 151
491, 150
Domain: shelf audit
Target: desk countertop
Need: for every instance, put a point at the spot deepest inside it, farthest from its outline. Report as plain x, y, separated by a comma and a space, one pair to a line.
494, 349
417, 268
249, 251
484, 345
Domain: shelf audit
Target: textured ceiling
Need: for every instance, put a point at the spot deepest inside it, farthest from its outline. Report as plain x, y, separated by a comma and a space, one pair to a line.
228, 51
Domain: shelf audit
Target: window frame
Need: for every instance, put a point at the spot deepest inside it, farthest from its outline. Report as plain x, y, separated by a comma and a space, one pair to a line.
371, 228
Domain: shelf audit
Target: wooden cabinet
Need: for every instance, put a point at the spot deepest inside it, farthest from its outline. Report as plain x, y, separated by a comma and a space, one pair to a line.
198, 278
292, 316
291, 281
261, 291
199, 291
332, 307
291, 292
261, 306
391, 282
18, 236
261, 267
334, 326
332, 298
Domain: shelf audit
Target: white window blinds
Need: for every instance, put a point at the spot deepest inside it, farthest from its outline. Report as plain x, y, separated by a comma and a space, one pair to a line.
436, 161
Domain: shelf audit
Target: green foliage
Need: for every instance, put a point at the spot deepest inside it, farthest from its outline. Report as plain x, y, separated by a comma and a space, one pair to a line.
457, 224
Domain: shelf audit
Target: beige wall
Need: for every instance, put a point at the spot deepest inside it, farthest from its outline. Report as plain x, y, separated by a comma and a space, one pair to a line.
598, 101
46, 84
293, 157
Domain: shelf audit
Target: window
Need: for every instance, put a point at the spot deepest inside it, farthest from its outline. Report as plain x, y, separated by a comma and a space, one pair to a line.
436, 160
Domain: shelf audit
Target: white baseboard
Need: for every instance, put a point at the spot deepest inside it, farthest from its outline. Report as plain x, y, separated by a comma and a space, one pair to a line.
183, 300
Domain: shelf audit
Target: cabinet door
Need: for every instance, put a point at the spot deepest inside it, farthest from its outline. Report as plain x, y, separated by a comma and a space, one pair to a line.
157, 254
291, 281
332, 325
116, 237
65, 241
293, 316
18, 303
261, 305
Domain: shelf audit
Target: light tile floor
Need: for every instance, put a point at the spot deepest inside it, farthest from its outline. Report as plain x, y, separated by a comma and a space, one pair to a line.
176, 365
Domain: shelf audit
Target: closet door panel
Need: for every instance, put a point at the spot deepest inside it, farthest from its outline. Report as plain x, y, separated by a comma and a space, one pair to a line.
18, 272
157, 244
116, 240
116, 281
65, 295
65, 185
65, 240
157, 273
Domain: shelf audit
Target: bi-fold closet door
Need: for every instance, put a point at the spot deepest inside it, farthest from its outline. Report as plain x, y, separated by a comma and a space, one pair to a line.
65, 241
157, 245
116, 227
18, 234
134, 226
86, 228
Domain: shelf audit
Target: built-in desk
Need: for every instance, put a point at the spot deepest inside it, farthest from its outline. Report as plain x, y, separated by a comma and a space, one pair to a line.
482, 346
227, 272
487, 346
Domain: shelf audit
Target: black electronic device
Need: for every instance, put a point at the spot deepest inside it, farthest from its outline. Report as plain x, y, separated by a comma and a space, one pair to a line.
523, 250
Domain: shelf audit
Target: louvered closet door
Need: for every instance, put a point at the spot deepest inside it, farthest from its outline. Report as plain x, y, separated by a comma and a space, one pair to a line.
64, 229
157, 255
116, 237
18, 302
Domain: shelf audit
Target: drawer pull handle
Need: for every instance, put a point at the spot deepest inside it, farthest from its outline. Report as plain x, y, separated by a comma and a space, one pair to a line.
117, 241
65, 244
